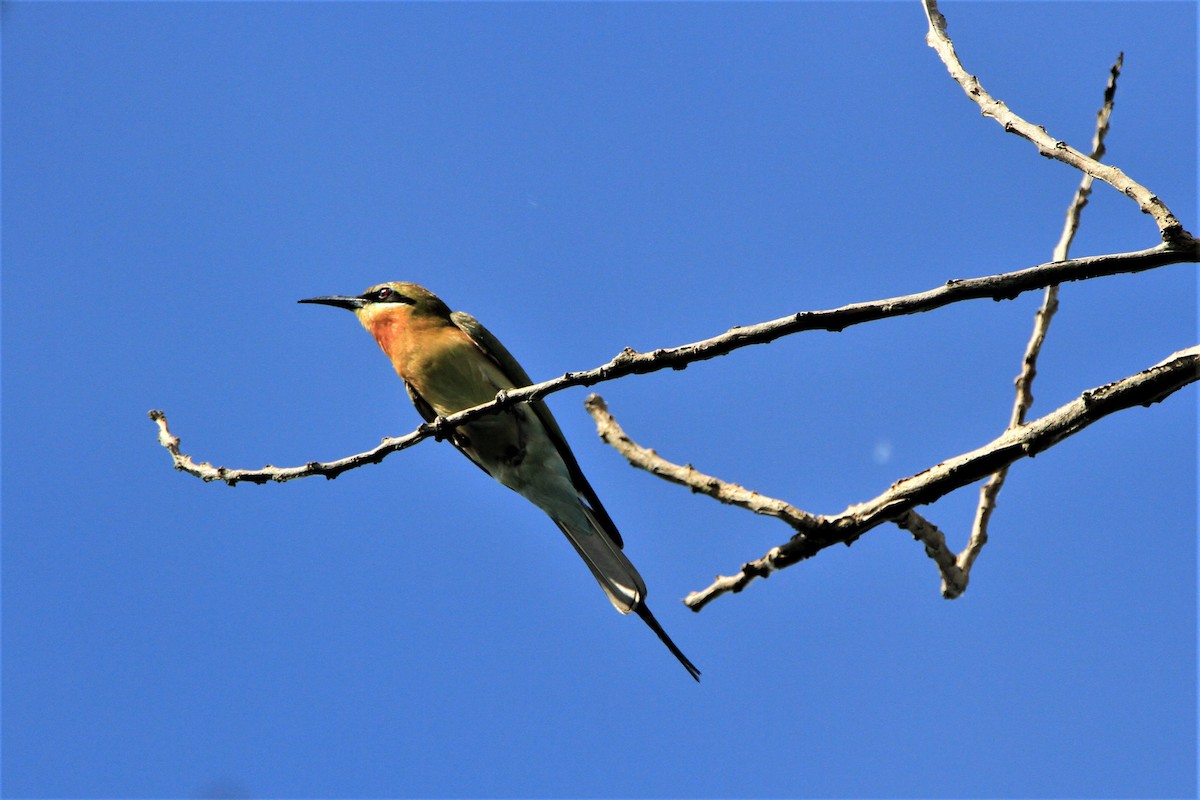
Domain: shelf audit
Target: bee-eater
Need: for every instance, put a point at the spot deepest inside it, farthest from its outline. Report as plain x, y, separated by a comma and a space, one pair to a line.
449, 362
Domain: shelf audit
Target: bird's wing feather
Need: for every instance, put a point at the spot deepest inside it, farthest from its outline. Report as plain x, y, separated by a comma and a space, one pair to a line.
429, 415
491, 346
423, 408
503, 359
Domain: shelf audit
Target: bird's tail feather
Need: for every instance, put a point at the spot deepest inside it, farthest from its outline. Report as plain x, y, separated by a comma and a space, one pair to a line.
614, 572
648, 618
617, 577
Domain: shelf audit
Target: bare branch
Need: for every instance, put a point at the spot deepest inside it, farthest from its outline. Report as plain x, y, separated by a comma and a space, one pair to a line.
1063, 249
330, 469
732, 494
1146, 387
937, 38
954, 579
687, 475
1041, 324
1004, 286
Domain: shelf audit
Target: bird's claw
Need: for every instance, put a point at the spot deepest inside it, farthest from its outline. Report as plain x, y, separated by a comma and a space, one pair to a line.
441, 431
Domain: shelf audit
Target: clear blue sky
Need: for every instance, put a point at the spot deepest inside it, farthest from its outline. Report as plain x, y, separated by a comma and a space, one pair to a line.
582, 177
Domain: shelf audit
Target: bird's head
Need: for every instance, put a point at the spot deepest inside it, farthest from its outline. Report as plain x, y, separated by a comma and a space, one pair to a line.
404, 318
394, 301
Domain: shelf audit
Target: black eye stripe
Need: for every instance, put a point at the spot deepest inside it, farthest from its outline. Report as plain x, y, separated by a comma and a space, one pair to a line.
386, 294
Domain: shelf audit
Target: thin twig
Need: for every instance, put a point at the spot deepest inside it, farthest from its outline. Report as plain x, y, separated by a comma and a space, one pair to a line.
1169, 227
1071, 225
1041, 324
1144, 388
1004, 286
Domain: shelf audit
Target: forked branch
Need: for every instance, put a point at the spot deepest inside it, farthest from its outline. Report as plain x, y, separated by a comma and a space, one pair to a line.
817, 532
1041, 325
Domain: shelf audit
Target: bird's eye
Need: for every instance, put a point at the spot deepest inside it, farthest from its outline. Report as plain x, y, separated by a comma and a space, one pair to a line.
383, 294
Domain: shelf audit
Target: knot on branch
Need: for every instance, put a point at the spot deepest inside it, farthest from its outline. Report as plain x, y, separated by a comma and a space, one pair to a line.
626, 356
315, 467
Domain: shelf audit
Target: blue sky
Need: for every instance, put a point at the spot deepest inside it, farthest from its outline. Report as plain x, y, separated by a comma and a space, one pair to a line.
581, 177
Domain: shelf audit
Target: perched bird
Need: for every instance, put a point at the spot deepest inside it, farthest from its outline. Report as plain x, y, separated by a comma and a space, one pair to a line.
449, 362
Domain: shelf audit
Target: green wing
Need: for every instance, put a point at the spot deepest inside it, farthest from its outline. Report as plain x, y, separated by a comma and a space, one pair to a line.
499, 354
424, 409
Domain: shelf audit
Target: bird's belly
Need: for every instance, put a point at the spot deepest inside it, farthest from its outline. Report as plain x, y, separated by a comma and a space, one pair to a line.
515, 449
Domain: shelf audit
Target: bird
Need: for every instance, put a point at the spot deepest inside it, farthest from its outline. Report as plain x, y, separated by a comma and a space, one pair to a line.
449, 362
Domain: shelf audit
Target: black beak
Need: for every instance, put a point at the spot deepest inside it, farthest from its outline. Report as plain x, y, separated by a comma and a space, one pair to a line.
351, 303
